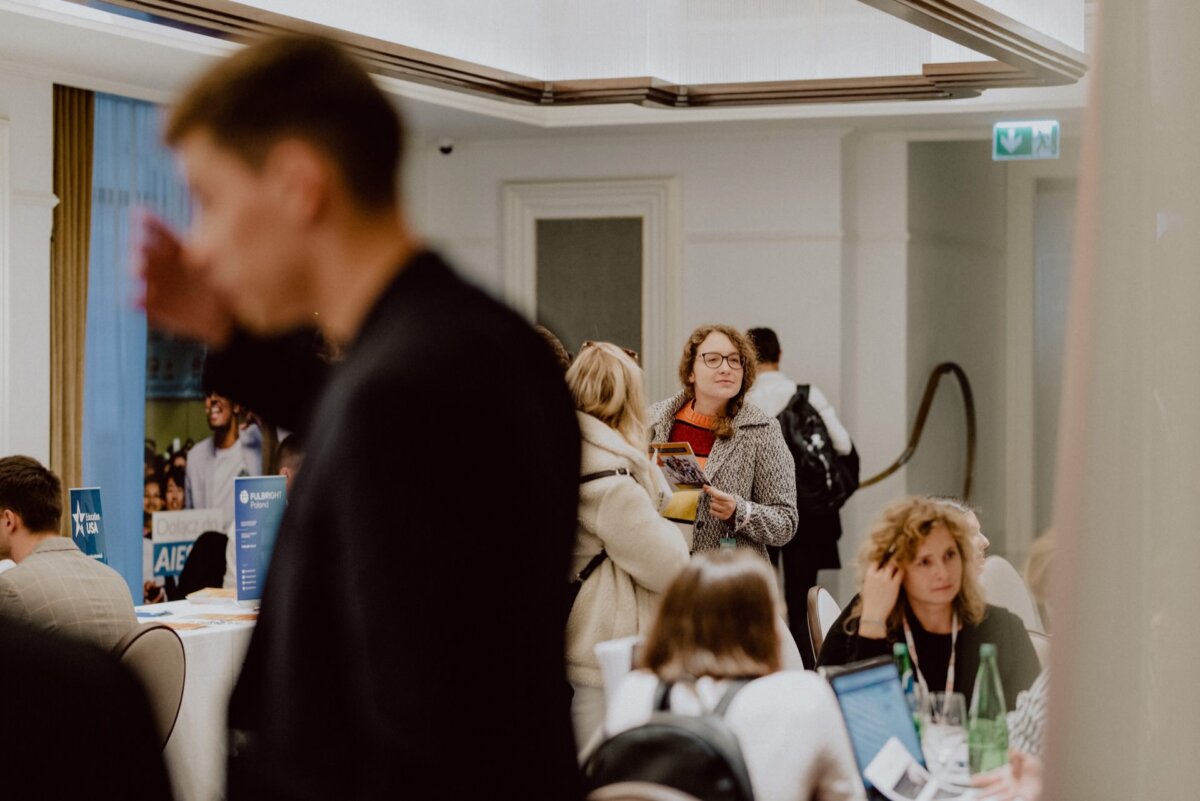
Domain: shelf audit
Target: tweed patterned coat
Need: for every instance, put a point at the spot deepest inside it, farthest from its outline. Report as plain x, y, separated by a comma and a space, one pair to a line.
756, 466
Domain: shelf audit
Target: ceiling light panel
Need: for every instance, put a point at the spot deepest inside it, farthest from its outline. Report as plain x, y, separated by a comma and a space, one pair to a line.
678, 41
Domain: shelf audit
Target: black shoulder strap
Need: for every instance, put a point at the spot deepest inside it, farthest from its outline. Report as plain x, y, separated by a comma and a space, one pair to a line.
735, 686
599, 558
618, 471
662, 696
591, 566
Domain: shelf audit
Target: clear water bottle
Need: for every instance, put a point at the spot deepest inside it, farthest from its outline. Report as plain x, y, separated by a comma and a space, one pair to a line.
987, 723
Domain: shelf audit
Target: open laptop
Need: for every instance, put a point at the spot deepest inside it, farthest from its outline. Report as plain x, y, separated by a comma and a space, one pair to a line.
875, 709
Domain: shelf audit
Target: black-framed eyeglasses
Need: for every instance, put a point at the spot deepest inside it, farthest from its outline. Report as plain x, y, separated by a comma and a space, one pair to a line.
633, 354
712, 360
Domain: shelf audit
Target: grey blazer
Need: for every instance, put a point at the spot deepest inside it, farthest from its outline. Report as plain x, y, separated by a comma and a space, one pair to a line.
753, 464
59, 588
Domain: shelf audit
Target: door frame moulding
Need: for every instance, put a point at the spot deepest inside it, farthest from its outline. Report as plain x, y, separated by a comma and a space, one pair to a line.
656, 202
1021, 182
1024, 57
6, 296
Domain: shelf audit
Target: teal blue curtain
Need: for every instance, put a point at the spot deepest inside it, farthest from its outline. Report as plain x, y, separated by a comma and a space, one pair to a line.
131, 169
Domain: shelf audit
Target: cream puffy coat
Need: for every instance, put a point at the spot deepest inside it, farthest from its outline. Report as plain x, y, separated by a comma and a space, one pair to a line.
645, 550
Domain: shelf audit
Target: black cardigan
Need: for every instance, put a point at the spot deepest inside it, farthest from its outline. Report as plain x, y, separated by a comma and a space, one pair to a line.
1015, 656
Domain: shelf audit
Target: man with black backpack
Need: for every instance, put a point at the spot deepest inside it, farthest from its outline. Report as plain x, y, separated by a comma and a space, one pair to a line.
826, 476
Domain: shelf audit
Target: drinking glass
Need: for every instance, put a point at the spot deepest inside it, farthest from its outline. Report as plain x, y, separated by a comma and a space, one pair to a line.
943, 719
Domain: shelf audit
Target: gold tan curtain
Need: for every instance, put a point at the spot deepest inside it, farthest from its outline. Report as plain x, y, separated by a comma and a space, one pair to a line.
73, 123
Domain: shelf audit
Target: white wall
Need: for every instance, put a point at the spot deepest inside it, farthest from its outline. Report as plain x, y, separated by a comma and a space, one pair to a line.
27, 116
761, 223
874, 315
956, 308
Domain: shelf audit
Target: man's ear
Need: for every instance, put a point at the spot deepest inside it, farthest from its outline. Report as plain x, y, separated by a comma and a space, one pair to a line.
302, 176
10, 518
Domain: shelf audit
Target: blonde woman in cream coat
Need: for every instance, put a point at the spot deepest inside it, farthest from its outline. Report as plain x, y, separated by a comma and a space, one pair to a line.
618, 514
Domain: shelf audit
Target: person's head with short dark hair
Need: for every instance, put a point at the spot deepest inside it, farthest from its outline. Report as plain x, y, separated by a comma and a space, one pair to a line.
152, 494
30, 501
298, 87
291, 153
289, 457
766, 343
176, 486
561, 354
179, 460
717, 619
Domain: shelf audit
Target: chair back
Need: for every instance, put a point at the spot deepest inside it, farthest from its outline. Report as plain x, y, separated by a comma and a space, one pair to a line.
823, 610
1041, 644
638, 791
1003, 586
154, 654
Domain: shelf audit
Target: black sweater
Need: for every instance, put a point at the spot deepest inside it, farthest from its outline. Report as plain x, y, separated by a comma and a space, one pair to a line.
1015, 655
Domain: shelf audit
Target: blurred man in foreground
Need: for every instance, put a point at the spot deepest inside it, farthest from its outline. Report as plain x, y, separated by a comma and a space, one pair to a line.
411, 633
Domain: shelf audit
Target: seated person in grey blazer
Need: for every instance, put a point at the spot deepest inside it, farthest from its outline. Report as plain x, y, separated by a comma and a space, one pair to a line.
54, 586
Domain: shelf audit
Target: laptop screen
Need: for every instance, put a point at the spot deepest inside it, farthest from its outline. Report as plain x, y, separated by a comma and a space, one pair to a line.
875, 709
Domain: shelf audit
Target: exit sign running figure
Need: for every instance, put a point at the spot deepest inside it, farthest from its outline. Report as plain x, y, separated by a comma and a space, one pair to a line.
1022, 141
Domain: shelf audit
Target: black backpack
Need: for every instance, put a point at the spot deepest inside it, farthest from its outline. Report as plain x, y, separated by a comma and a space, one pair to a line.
824, 480
698, 754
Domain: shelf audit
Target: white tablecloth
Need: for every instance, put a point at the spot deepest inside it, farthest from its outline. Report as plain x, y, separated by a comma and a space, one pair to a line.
195, 754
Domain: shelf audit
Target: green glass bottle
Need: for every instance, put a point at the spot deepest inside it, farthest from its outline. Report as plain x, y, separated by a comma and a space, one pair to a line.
907, 682
987, 726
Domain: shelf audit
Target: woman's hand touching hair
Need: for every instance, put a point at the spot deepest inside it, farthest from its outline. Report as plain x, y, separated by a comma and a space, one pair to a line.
880, 590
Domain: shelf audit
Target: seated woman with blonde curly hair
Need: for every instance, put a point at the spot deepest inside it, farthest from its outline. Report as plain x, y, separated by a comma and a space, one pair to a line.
918, 585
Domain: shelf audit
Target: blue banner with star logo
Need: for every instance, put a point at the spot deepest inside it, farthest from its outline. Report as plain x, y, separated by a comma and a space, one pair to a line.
87, 522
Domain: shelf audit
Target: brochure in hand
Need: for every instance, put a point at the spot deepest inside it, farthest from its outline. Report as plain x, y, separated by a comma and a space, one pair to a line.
679, 464
683, 472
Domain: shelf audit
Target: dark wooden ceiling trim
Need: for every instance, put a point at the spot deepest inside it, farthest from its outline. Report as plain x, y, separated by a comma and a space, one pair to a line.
230, 20
974, 25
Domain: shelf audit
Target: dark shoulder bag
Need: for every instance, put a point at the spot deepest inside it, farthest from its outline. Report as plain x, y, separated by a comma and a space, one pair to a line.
576, 584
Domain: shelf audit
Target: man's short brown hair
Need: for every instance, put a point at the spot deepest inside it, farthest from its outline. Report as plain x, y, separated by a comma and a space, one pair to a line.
302, 87
32, 491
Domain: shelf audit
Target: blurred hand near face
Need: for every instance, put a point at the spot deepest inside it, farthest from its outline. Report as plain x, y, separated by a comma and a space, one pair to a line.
177, 300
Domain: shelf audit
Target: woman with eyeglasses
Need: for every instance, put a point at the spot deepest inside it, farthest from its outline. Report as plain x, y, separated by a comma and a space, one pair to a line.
750, 501
634, 551
919, 584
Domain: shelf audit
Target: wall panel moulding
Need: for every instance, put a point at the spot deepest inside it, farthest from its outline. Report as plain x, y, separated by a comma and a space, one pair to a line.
1021, 56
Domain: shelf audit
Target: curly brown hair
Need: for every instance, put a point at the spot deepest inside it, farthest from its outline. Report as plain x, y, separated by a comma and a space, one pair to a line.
904, 525
746, 351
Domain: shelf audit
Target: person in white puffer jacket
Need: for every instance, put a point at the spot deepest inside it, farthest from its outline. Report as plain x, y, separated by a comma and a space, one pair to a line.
620, 497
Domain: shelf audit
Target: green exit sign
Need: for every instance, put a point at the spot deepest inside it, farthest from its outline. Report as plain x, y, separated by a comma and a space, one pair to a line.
1021, 141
